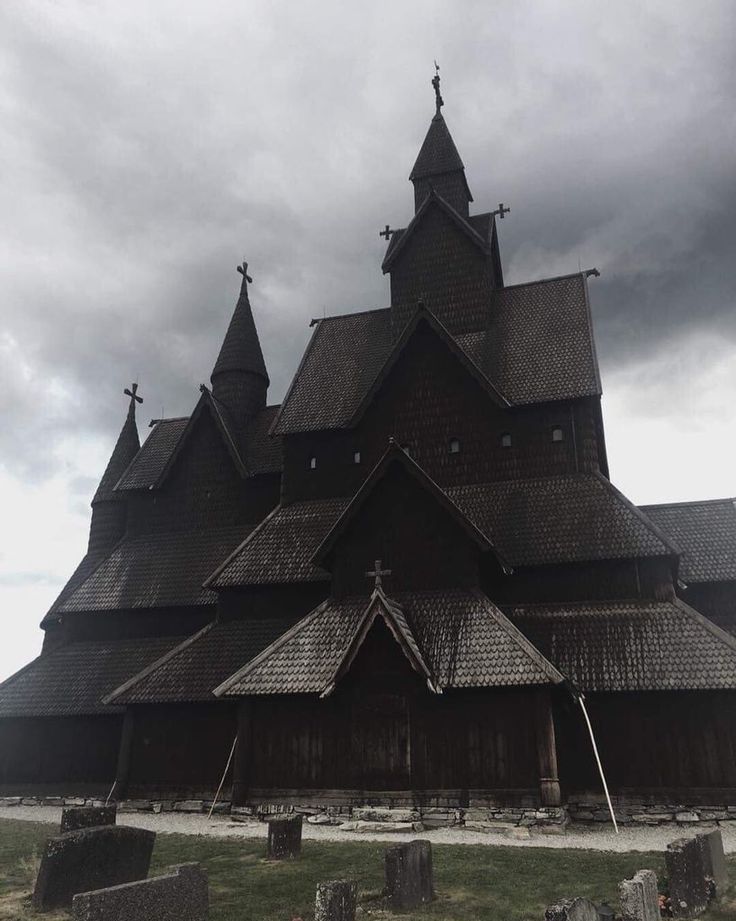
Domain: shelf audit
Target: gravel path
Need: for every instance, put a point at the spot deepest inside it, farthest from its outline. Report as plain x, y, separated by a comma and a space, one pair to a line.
596, 839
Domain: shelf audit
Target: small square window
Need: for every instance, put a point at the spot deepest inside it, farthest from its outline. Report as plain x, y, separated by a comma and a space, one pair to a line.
506, 440
356, 457
558, 434
312, 463
454, 446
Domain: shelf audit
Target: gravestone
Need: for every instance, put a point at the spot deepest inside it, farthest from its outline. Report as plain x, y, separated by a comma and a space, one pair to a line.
74, 817
639, 897
284, 837
180, 894
572, 910
689, 889
91, 858
409, 880
714, 860
336, 901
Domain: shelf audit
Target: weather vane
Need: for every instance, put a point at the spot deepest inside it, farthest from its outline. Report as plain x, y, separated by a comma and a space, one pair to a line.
436, 84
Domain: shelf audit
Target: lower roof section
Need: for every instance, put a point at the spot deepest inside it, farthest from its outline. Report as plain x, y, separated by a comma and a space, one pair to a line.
460, 636
73, 679
631, 645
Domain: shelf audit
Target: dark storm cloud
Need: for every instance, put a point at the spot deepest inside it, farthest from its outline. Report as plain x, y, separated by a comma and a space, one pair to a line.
145, 153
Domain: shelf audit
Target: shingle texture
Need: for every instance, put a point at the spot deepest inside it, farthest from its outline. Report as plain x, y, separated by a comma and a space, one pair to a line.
241, 348
631, 646
199, 666
536, 346
705, 532
280, 549
125, 449
438, 153
462, 637
557, 520
149, 462
156, 570
262, 452
73, 679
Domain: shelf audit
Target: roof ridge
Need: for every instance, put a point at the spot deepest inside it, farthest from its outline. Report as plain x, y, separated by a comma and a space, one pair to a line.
689, 503
241, 546
541, 281
355, 313
717, 631
642, 517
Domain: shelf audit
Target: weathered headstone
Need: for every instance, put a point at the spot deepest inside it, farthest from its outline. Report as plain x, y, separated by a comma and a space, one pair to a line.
572, 910
409, 880
714, 860
91, 858
336, 901
689, 889
639, 897
74, 817
284, 837
180, 894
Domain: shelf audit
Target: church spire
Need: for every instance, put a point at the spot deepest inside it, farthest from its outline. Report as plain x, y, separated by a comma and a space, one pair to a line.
239, 378
438, 165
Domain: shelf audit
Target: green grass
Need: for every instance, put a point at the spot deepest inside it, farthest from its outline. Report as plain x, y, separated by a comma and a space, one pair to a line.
472, 882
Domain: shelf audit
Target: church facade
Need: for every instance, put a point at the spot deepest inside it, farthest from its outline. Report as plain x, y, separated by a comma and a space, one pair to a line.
397, 586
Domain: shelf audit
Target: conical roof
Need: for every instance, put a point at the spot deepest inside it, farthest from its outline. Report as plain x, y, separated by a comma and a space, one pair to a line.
126, 448
241, 348
438, 153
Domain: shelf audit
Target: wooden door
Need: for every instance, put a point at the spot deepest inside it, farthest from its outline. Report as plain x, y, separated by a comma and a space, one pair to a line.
380, 734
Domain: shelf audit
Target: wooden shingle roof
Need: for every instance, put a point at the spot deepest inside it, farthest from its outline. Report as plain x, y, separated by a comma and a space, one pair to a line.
148, 464
73, 679
635, 645
459, 637
126, 448
438, 154
704, 532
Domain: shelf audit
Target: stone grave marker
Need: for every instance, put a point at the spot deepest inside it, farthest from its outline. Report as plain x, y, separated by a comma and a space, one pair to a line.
91, 858
336, 901
180, 894
639, 897
284, 837
409, 879
572, 910
714, 860
74, 817
689, 889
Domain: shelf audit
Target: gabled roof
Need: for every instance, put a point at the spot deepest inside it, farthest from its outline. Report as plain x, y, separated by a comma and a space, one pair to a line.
399, 241
705, 533
74, 678
190, 671
396, 455
462, 638
147, 466
438, 153
637, 645
241, 348
126, 447
155, 570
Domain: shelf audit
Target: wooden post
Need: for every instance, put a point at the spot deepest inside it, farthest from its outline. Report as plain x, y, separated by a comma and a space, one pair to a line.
549, 781
241, 758
122, 772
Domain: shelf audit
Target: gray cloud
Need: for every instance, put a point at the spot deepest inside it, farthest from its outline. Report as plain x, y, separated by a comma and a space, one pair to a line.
147, 151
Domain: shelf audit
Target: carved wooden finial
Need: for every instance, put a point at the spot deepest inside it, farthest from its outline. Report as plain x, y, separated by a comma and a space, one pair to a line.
439, 101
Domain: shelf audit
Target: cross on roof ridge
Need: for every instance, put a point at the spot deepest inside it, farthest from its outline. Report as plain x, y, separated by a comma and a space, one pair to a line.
133, 393
377, 572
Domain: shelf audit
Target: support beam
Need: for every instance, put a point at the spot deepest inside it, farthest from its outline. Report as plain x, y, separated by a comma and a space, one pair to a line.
122, 772
549, 781
242, 756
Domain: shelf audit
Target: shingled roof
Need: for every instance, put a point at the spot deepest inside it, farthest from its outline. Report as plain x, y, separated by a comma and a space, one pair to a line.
189, 672
537, 346
705, 533
148, 464
74, 678
126, 447
460, 638
155, 570
438, 154
241, 347
631, 645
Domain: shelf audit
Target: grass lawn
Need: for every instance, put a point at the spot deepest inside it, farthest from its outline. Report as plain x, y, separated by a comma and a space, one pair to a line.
472, 882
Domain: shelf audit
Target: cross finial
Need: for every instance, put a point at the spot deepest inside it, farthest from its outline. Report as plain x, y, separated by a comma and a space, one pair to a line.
243, 269
377, 572
439, 101
133, 394
386, 232
501, 210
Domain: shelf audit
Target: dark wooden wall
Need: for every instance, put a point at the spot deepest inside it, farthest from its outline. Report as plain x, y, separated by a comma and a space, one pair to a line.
70, 752
717, 600
668, 744
180, 750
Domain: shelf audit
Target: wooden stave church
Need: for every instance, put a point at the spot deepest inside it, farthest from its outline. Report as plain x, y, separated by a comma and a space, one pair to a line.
451, 445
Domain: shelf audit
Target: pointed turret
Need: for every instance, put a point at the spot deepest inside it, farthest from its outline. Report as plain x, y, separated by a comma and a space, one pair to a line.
109, 507
239, 378
438, 165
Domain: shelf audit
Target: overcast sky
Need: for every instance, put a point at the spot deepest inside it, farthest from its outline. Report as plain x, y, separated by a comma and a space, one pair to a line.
147, 148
